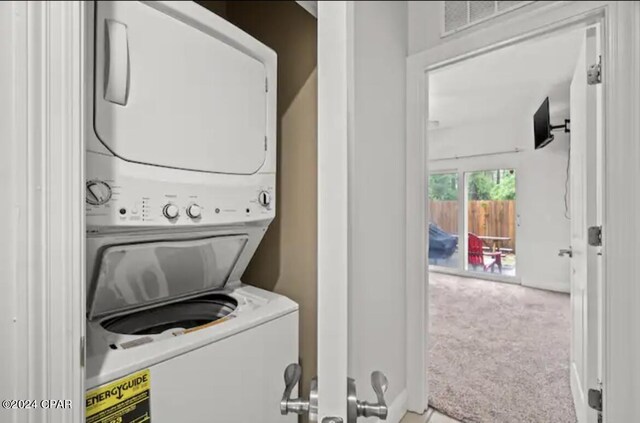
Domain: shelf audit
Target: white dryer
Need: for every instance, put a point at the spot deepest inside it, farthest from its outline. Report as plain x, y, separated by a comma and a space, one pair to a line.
180, 168
183, 119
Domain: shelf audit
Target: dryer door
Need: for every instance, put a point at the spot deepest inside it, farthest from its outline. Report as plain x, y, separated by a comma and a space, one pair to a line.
171, 94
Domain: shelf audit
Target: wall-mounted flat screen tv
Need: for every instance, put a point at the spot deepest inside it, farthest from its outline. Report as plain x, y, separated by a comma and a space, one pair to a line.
542, 125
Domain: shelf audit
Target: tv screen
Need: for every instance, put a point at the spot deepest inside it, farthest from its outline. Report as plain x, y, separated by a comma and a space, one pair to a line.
542, 125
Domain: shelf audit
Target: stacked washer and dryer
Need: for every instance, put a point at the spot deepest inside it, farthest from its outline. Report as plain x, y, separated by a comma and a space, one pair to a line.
181, 177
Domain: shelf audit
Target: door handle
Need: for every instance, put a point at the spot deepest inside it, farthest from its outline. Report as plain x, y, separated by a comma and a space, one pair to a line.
357, 408
292, 375
380, 384
116, 72
565, 252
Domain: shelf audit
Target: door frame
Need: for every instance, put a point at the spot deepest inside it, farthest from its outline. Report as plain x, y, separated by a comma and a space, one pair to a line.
621, 230
44, 309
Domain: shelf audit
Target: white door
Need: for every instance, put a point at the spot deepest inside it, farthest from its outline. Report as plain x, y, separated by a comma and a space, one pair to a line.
334, 400
584, 182
333, 71
328, 399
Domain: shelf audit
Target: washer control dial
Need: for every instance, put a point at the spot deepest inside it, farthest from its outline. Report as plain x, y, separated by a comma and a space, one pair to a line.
194, 211
98, 193
170, 211
264, 198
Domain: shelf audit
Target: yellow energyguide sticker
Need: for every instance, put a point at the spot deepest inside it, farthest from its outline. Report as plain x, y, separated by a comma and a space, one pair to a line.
124, 401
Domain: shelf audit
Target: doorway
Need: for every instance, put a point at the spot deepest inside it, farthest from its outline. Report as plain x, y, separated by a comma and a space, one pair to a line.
484, 337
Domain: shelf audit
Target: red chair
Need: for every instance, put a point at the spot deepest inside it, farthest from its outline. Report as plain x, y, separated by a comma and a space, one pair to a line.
477, 253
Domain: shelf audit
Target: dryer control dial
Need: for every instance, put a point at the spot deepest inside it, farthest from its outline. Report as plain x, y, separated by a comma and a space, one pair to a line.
98, 193
264, 198
194, 211
170, 211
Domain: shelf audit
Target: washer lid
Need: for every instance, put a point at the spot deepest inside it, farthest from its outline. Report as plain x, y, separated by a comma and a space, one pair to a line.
169, 92
134, 276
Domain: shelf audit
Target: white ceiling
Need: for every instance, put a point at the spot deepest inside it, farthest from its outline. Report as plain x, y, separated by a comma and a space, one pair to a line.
504, 83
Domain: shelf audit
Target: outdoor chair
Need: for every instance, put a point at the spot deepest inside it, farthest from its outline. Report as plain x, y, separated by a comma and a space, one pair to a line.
477, 254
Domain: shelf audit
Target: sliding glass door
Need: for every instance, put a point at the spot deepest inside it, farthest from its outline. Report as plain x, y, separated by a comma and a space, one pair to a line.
444, 215
472, 222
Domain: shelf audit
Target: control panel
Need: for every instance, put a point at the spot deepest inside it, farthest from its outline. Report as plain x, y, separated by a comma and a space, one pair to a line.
134, 201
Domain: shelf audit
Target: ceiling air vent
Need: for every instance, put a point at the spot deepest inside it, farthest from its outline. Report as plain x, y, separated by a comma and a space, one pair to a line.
462, 14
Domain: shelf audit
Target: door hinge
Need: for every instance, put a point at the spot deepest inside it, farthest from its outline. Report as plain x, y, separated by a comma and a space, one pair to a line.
265, 143
266, 85
595, 401
83, 351
594, 73
595, 236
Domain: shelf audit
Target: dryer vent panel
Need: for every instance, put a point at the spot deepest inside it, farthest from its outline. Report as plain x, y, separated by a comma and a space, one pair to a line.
462, 14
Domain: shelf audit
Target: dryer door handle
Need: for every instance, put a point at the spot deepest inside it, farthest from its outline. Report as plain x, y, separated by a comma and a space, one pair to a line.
116, 72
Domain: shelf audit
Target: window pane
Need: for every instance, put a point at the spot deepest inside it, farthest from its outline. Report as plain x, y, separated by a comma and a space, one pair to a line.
443, 225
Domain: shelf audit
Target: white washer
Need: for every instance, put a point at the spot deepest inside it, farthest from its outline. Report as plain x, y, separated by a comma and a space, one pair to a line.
181, 165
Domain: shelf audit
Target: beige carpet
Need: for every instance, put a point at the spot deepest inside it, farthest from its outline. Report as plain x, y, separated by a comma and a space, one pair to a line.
498, 353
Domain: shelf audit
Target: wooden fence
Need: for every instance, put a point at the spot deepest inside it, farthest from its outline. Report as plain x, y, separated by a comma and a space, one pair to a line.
485, 218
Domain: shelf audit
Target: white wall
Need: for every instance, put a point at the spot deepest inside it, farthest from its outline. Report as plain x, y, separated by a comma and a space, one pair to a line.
424, 24
540, 184
377, 199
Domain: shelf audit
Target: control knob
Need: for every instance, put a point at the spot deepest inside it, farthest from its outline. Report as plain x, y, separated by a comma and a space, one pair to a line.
194, 211
98, 193
170, 211
264, 198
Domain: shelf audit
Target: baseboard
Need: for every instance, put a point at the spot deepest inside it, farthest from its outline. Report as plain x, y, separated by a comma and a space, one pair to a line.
488, 276
397, 409
548, 286
556, 286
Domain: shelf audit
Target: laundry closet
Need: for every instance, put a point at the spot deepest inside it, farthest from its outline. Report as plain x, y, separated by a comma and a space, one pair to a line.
201, 208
